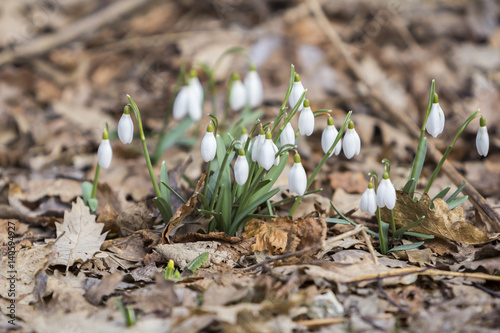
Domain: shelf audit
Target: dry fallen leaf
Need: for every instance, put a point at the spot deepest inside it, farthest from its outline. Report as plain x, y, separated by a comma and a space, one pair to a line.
82, 235
269, 235
442, 222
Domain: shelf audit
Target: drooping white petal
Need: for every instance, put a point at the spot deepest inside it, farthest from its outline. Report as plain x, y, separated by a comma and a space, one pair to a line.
126, 129
237, 96
386, 194
328, 138
277, 158
482, 141
297, 91
368, 201
254, 89
241, 170
352, 143
306, 121
208, 146
194, 104
180, 108
287, 137
436, 120
257, 145
297, 179
197, 88
104, 154
266, 154
243, 138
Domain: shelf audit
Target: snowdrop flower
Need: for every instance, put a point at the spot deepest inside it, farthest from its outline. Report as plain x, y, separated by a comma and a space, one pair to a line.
297, 91
267, 152
306, 120
126, 126
180, 108
244, 136
237, 94
328, 138
352, 143
209, 144
482, 138
368, 200
241, 168
386, 193
435, 122
194, 104
104, 152
254, 89
196, 87
287, 137
257, 144
297, 178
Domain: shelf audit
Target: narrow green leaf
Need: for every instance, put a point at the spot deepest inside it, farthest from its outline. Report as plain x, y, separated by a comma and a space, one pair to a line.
92, 204
399, 233
441, 194
457, 202
408, 186
406, 247
338, 221
174, 192
272, 176
170, 139
374, 234
418, 234
164, 208
165, 192
456, 193
196, 263
419, 164
86, 191
226, 206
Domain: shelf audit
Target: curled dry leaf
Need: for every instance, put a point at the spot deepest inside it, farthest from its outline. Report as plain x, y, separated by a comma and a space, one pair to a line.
442, 222
269, 235
183, 211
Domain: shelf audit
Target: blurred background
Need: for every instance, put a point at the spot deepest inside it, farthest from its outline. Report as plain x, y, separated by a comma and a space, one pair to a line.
66, 67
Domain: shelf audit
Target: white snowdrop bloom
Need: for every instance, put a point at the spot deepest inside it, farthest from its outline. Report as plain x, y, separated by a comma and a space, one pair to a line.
180, 108
482, 138
436, 119
104, 152
209, 145
306, 120
196, 87
368, 200
254, 89
277, 158
241, 168
126, 126
257, 144
237, 96
328, 138
194, 104
297, 91
244, 137
352, 142
287, 137
267, 152
297, 178
386, 193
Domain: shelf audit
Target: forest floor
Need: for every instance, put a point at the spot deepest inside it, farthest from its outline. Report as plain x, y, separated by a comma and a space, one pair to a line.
66, 68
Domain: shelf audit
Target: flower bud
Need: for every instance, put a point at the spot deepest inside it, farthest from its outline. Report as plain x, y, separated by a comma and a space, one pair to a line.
287, 137
386, 193
368, 200
254, 89
237, 95
126, 126
209, 144
241, 168
328, 138
297, 178
436, 120
267, 152
306, 120
482, 138
297, 91
104, 152
352, 142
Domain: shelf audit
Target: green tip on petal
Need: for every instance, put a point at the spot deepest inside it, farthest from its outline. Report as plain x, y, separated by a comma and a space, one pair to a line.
241, 152
370, 185
386, 175
296, 158
436, 98
252, 67
306, 103
105, 134
262, 132
268, 135
297, 77
193, 73
210, 128
330, 121
126, 109
482, 122
351, 124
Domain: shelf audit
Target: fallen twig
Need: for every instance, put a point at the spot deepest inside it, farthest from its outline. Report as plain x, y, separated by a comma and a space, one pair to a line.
370, 246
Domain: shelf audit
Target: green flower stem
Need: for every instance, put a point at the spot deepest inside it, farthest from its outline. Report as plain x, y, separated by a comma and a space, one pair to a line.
383, 243
226, 104
285, 100
219, 177
96, 180
145, 147
413, 172
288, 118
393, 223
322, 162
448, 150
207, 178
